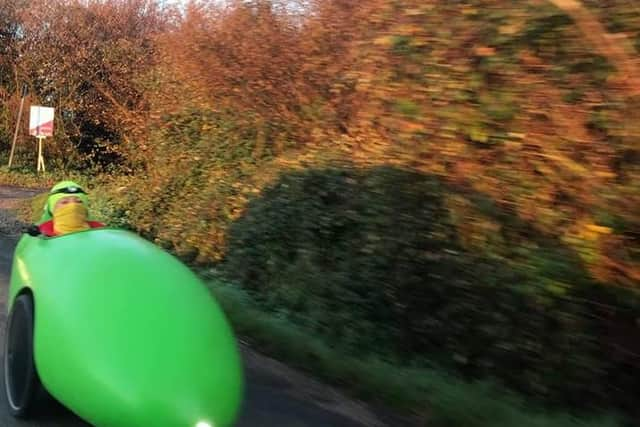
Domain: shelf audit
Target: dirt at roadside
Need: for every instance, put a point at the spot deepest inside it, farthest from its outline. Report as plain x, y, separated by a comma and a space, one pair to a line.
10, 198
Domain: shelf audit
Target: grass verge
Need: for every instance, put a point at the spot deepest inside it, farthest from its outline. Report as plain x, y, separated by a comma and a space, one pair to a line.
440, 399
25, 179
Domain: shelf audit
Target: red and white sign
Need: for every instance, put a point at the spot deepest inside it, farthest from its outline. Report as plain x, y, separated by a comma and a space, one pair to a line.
41, 121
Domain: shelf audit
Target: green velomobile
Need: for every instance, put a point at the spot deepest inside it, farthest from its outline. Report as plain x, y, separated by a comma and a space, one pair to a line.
120, 332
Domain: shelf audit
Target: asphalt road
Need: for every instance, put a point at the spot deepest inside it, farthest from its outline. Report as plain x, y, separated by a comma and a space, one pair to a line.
276, 395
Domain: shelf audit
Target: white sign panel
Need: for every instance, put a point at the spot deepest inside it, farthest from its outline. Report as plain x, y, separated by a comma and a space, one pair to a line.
41, 121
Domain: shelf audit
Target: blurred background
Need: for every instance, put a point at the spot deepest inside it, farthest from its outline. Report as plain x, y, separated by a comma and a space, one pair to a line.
432, 203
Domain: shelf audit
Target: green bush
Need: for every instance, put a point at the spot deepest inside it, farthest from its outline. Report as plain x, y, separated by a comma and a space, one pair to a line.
201, 167
370, 260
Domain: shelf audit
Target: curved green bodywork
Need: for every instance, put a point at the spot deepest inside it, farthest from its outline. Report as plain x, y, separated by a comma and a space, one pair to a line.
125, 334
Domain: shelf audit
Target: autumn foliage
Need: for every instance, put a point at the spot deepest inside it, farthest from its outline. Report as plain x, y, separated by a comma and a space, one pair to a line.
88, 60
511, 100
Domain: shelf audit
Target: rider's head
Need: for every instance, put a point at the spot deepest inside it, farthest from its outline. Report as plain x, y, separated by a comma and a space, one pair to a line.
63, 193
67, 203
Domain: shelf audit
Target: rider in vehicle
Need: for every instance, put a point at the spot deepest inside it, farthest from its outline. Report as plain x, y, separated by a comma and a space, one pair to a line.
66, 210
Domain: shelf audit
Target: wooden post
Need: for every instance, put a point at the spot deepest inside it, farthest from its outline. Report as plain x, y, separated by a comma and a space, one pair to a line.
40, 156
15, 133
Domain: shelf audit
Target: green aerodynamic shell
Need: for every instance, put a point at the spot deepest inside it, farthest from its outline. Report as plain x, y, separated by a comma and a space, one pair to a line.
125, 335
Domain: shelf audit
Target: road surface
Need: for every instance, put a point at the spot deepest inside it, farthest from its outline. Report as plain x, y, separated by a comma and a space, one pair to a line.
277, 396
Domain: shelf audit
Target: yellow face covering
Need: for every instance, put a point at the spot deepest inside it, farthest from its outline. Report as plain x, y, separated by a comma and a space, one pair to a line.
69, 218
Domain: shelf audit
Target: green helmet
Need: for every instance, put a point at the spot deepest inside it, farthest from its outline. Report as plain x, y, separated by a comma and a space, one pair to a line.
59, 191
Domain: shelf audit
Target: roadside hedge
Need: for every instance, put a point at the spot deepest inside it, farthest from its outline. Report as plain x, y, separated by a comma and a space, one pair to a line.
370, 259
